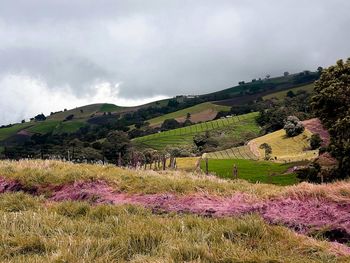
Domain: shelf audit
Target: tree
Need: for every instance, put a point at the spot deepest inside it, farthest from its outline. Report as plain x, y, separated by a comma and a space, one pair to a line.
293, 126
290, 94
331, 104
268, 150
116, 142
170, 124
286, 73
315, 141
40, 117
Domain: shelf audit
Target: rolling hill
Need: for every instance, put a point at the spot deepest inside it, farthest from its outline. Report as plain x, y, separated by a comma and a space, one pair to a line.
202, 108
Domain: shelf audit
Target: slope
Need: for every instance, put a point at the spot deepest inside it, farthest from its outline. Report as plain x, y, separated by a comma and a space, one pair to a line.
184, 136
202, 112
282, 94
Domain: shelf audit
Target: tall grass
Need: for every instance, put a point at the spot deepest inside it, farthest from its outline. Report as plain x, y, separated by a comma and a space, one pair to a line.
34, 173
78, 232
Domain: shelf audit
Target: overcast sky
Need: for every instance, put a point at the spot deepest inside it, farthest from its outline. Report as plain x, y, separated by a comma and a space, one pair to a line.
57, 54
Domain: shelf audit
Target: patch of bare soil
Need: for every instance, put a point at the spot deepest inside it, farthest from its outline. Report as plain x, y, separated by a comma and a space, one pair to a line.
205, 115
315, 126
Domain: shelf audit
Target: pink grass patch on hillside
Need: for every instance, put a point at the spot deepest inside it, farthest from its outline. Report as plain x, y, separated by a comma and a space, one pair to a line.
95, 191
315, 126
305, 215
308, 214
7, 185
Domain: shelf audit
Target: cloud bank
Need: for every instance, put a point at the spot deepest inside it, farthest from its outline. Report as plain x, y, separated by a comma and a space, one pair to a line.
60, 54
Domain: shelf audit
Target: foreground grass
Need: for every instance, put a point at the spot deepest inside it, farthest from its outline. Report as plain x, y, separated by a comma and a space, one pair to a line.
252, 171
32, 231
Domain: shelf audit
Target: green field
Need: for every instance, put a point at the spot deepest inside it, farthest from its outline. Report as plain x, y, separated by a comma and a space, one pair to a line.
184, 135
203, 107
109, 108
241, 152
282, 94
253, 171
69, 126
44, 127
7, 132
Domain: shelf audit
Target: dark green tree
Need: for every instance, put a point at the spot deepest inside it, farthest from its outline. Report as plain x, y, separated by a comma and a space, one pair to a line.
315, 141
331, 103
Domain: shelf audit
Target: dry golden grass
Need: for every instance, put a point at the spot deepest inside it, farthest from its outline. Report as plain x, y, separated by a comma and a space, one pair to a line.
32, 173
79, 232
338, 191
285, 148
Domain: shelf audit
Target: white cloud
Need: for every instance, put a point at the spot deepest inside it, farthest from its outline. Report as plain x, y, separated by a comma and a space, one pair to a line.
22, 97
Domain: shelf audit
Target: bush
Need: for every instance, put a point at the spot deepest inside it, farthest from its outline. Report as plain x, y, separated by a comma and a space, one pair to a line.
310, 173
268, 150
170, 124
293, 126
315, 141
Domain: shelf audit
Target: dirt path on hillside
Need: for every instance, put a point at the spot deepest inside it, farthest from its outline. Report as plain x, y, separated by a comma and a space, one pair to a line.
306, 216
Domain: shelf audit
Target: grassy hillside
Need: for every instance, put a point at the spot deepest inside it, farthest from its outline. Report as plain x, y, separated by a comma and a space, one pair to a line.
7, 132
282, 94
201, 112
286, 148
79, 113
241, 153
70, 218
252, 171
184, 136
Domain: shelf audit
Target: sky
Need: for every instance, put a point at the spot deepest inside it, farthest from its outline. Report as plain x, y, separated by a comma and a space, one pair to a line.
67, 53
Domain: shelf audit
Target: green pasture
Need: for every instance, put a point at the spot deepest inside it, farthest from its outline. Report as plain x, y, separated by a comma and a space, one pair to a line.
241, 152
7, 132
252, 171
184, 135
44, 127
69, 126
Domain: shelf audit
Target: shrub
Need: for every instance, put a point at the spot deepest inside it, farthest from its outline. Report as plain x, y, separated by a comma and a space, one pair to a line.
315, 141
310, 173
293, 126
268, 150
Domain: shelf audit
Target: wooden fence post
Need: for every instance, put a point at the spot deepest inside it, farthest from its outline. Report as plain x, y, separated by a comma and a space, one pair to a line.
164, 162
119, 159
206, 166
